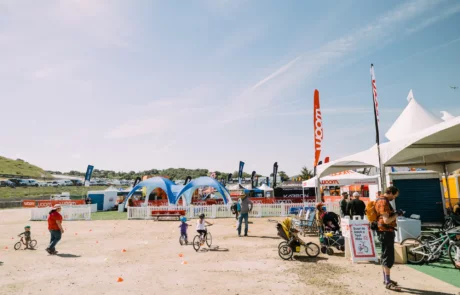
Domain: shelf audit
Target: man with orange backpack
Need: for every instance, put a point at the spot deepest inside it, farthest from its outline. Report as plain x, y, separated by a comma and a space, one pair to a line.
383, 219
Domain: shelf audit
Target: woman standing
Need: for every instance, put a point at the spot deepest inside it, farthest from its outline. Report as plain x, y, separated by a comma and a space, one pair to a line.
55, 228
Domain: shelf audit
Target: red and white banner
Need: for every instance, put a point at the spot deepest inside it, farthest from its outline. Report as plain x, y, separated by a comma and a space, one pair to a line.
374, 93
317, 127
50, 203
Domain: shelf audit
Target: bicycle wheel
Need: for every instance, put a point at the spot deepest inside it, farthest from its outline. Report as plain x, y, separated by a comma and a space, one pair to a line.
17, 246
281, 244
285, 252
209, 239
312, 249
197, 243
182, 240
454, 254
415, 250
32, 243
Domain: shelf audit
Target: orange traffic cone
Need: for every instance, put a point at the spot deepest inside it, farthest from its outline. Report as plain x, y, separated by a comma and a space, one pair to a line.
6, 247
184, 262
90, 230
76, 234
181, 255
123, 251
97, 242
119, 280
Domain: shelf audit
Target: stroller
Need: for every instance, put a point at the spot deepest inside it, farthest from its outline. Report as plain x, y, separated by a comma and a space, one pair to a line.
292, 242
330, 234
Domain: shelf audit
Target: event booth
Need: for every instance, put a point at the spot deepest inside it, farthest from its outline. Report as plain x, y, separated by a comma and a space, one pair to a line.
268, 191
105, 199
155, 183
187, 191
434, 147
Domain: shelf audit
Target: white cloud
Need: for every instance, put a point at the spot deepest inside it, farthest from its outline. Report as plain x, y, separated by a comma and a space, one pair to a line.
445, 14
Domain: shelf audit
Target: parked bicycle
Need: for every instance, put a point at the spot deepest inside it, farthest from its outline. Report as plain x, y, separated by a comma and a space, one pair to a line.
32, 243
429, 249
200, 239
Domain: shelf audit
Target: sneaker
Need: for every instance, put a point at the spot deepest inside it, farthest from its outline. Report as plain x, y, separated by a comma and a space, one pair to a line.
48, 250
246, 235
54, 253
239, 236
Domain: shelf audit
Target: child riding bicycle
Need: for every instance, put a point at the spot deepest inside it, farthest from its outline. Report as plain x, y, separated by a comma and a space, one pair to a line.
183, 228
26, 235
201, 226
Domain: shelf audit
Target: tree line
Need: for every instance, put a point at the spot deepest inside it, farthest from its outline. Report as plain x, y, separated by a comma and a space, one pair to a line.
175, 174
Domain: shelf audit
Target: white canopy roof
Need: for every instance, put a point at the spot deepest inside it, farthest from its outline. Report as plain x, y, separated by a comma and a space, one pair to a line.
446, 115
414, 118
265, 188
348, 177
431, 148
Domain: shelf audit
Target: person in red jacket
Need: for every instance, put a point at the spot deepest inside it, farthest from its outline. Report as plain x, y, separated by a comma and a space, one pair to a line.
55, 228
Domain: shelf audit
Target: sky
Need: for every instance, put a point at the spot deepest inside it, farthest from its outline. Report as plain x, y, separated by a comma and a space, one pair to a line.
136, 85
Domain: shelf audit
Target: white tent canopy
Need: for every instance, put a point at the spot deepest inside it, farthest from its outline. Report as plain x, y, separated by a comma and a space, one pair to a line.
434, 148
265, 188
446, 115
348, 177
414, 118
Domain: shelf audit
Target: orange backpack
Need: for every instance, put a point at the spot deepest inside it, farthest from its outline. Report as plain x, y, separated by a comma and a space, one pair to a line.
371, 214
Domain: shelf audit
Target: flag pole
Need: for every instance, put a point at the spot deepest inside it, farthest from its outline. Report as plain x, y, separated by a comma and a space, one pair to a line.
377, 132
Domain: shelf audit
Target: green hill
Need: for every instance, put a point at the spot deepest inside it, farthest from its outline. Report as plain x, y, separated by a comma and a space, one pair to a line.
20, 168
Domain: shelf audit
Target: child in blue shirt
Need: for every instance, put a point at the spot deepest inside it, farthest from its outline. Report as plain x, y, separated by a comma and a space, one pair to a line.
183, 228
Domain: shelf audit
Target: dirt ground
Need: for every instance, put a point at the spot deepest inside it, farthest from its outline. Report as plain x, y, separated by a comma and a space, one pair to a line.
91, 260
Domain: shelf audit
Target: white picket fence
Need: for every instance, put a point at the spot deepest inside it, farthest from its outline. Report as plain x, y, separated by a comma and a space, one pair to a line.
223, 211
77, 212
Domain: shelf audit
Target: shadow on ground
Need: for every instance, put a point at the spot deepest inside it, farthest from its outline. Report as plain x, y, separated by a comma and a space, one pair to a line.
309, 259
65, 255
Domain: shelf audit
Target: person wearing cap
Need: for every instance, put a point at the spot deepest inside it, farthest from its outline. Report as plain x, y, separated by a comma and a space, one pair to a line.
356, 206
343, 204
55, 228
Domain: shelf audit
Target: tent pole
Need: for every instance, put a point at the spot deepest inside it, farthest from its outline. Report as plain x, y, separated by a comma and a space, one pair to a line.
446, 173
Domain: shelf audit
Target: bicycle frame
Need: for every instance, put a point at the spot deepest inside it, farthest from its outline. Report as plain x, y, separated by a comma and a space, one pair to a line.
434, 248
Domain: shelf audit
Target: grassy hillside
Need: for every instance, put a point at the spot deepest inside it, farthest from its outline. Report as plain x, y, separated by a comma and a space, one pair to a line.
21, 168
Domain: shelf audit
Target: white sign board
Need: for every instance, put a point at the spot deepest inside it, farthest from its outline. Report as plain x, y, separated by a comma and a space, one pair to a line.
362, 243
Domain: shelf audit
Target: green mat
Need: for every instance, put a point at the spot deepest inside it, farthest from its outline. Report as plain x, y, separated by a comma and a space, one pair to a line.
442, 270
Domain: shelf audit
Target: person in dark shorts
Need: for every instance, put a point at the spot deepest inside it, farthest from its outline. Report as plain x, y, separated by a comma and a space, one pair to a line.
26, 235
386, 221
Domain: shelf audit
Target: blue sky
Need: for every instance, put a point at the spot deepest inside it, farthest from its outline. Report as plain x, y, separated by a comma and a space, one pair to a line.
134, 85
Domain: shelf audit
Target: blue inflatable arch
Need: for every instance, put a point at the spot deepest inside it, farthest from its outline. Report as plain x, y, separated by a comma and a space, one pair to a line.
153, 183
188, 190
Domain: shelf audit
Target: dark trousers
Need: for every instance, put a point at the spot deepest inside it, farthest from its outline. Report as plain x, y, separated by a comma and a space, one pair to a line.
244, 216
55, 238
202, 232
387, 239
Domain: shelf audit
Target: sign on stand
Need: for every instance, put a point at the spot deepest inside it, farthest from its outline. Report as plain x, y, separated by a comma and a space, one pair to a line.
361, 244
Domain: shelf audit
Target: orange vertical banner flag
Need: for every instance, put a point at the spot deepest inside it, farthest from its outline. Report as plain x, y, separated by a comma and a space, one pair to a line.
317, 127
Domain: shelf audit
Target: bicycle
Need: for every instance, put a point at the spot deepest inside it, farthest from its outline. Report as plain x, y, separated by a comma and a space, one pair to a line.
32, 243
199, 240
419, 251
363, 248
183, 240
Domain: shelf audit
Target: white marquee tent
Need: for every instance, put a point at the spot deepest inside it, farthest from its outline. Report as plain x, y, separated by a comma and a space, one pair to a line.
348, 177
413, 118
268, 191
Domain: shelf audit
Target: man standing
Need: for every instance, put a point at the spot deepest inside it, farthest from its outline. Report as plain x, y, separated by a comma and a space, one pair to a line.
55, 228
386, 221
356, 206
343, 204
245, 208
